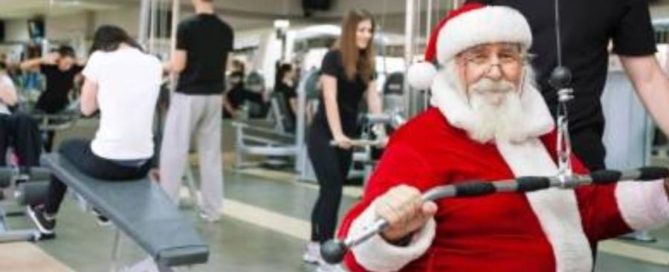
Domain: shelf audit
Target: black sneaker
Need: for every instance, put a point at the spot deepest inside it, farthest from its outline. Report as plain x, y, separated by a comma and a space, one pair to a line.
44, 225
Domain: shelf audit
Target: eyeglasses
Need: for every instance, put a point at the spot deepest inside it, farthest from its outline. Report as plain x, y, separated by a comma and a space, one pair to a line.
481, 60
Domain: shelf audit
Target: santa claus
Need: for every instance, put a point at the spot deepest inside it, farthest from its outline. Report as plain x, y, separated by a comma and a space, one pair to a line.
489, 122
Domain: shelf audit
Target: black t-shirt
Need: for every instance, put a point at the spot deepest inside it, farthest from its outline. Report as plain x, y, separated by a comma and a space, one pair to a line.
288, 93
349, 94
207, 41
587, 28
58, 85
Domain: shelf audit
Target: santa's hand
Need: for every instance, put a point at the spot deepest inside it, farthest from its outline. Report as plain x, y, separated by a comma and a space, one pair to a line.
342, 141
405, 211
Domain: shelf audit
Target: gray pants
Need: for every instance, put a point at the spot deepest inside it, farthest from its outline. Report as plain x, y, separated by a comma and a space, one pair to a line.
194, 116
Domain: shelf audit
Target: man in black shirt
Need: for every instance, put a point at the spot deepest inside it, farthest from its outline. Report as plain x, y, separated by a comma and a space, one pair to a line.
203, 45
587, 29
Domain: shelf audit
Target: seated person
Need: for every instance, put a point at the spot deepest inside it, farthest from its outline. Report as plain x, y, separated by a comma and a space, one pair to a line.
60, 69
122, 82
8, 94
488, 122
17, 130
237, 95
285, 85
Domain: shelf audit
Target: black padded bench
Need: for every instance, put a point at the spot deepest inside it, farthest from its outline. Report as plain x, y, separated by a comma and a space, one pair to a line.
141, 210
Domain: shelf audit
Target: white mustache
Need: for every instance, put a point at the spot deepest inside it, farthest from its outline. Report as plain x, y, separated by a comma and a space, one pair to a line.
494, 86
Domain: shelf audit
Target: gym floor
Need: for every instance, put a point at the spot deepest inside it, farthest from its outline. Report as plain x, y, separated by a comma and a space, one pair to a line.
264, 228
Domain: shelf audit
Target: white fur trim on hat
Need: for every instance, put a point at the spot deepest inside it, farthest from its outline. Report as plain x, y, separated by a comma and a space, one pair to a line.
485, 25
378, 255
420, 75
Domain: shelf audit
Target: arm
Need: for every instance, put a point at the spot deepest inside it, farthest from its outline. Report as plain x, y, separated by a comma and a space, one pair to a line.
228, 106
399, 165
332, 110
227, 64
79, 79
293, 105
50, 59
30, 64
178, 62
651, 85
8, 94
374, 103
89, 96
608, 211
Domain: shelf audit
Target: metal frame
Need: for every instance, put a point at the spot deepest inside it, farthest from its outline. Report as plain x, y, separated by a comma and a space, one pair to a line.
65, 121
248, 144
6, 233
413, 104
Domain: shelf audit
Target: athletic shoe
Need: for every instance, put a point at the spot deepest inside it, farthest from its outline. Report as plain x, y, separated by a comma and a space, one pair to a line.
312, 253
208, 218
44, 224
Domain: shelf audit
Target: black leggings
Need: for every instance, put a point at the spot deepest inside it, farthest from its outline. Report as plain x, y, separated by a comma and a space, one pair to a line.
21, 132
79, 153
331, 165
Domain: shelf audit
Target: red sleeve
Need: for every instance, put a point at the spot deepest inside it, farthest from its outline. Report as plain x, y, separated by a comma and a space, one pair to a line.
598, 206
399, 165
600, 215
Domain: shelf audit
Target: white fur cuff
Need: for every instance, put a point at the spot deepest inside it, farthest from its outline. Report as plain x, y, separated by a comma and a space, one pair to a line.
380, 256
643, 205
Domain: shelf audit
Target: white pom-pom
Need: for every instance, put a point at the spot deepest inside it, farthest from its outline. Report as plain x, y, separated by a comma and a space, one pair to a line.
420, 75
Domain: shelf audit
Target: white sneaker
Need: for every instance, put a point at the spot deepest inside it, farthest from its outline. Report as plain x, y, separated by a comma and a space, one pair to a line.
208, 218
326, 267
312, 253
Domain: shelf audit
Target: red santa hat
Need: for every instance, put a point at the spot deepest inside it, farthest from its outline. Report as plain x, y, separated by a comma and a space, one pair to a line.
470, 25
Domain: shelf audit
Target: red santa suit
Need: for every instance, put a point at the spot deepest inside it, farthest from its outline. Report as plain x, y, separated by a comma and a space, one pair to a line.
549, 230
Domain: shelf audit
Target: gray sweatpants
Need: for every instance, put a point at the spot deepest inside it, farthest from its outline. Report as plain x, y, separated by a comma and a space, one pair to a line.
194, 116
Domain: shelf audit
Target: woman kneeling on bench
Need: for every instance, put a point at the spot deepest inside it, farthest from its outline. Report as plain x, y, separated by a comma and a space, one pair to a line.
122, 82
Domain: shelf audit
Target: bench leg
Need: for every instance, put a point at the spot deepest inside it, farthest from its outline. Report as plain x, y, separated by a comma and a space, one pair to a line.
162, 268
116, 251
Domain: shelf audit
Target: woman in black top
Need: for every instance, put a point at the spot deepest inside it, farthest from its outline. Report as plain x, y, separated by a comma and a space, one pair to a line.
347, 76
285, 85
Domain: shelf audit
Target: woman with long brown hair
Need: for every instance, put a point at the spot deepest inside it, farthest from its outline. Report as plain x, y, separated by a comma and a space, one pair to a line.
347, 74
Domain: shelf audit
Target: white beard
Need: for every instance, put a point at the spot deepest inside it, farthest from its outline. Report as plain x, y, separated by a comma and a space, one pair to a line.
498, 107
513, 116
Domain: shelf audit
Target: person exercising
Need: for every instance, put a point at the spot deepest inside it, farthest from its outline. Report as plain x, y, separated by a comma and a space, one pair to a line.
122, 82
61, 70
348, 75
